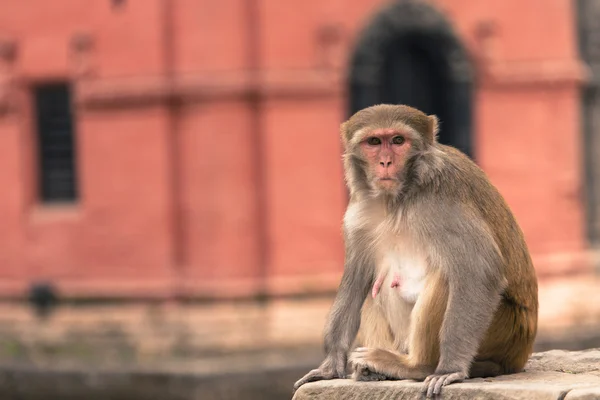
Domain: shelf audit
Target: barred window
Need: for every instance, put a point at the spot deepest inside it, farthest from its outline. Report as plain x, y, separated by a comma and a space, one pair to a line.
56, 143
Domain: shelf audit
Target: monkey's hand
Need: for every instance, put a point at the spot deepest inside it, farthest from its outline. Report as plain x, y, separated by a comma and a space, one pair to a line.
433, 383
334, 367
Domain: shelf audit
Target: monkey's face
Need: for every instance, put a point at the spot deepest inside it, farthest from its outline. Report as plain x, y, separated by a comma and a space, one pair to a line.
385, 151
379, 141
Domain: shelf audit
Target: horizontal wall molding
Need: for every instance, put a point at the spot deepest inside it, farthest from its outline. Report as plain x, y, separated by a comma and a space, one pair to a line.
539, 73
135, 91
95, 92
118, 92
181, 287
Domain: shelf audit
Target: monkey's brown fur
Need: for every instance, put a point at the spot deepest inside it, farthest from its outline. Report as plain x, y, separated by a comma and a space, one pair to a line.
470, 307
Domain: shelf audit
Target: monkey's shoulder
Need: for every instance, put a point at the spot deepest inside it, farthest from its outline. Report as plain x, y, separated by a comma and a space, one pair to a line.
453, 176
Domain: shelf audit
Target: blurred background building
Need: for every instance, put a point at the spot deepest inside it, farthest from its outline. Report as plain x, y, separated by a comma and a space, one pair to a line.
170, 151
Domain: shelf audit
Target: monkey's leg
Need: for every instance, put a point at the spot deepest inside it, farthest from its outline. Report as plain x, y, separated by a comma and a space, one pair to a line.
512, 357
372, 364
375, 332
374, 329
485, 369
423, 347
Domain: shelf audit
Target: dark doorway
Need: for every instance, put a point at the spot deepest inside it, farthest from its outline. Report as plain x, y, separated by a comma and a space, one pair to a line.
410, 55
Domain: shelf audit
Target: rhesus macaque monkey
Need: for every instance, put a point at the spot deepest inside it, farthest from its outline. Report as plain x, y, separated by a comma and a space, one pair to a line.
453, 292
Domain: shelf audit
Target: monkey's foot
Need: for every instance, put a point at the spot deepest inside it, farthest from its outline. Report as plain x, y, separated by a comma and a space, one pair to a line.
366, 375
433, 383
373, 364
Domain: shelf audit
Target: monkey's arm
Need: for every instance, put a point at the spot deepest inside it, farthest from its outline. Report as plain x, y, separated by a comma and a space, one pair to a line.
343, 321
473, 267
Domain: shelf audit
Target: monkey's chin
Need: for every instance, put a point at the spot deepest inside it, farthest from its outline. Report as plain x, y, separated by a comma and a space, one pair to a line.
387, 186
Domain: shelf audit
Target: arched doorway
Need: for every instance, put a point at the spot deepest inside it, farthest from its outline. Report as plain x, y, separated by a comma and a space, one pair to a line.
409, 54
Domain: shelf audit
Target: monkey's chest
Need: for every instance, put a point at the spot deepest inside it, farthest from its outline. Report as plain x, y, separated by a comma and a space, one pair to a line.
403, 276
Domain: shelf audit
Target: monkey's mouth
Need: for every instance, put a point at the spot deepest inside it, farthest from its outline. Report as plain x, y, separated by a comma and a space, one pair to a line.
386, 183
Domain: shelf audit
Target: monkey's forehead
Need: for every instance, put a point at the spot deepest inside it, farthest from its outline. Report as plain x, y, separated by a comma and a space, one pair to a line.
387, 115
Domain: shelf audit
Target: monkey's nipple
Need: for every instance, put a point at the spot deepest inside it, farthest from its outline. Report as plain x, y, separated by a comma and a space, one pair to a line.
396, 281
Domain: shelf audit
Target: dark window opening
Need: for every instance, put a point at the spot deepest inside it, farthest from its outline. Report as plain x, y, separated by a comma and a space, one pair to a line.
56, 144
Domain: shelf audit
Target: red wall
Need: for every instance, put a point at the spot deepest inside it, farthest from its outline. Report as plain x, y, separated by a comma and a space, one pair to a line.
208, 148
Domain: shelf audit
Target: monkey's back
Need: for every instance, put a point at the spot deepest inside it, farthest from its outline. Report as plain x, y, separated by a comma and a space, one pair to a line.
506, 339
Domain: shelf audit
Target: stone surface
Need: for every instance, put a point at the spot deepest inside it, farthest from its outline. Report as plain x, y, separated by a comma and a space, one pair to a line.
551, 375
571, 362
584, 394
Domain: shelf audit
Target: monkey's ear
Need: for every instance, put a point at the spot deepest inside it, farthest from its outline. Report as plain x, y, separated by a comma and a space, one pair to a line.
434, 127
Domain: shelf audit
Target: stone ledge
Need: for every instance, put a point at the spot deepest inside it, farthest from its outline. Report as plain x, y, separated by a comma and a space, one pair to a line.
551, 375
260, 376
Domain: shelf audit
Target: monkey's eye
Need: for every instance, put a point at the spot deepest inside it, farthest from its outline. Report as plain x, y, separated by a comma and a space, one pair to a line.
374, 141
398, 140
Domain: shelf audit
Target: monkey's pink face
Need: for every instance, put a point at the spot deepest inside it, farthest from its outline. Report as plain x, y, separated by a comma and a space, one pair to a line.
385, 151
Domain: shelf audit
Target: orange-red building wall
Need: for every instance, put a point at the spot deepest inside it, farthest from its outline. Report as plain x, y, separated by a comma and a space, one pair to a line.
208, 153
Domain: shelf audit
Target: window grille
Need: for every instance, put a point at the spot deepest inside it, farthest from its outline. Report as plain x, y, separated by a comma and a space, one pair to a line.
56, 143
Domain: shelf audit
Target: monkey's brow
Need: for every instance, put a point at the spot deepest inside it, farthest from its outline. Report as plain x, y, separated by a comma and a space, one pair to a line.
385, 131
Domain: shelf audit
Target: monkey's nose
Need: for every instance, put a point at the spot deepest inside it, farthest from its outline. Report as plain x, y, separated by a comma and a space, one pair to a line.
385, 164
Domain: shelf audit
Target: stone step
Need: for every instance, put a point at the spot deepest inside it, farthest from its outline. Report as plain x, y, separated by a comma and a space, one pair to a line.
552, 375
